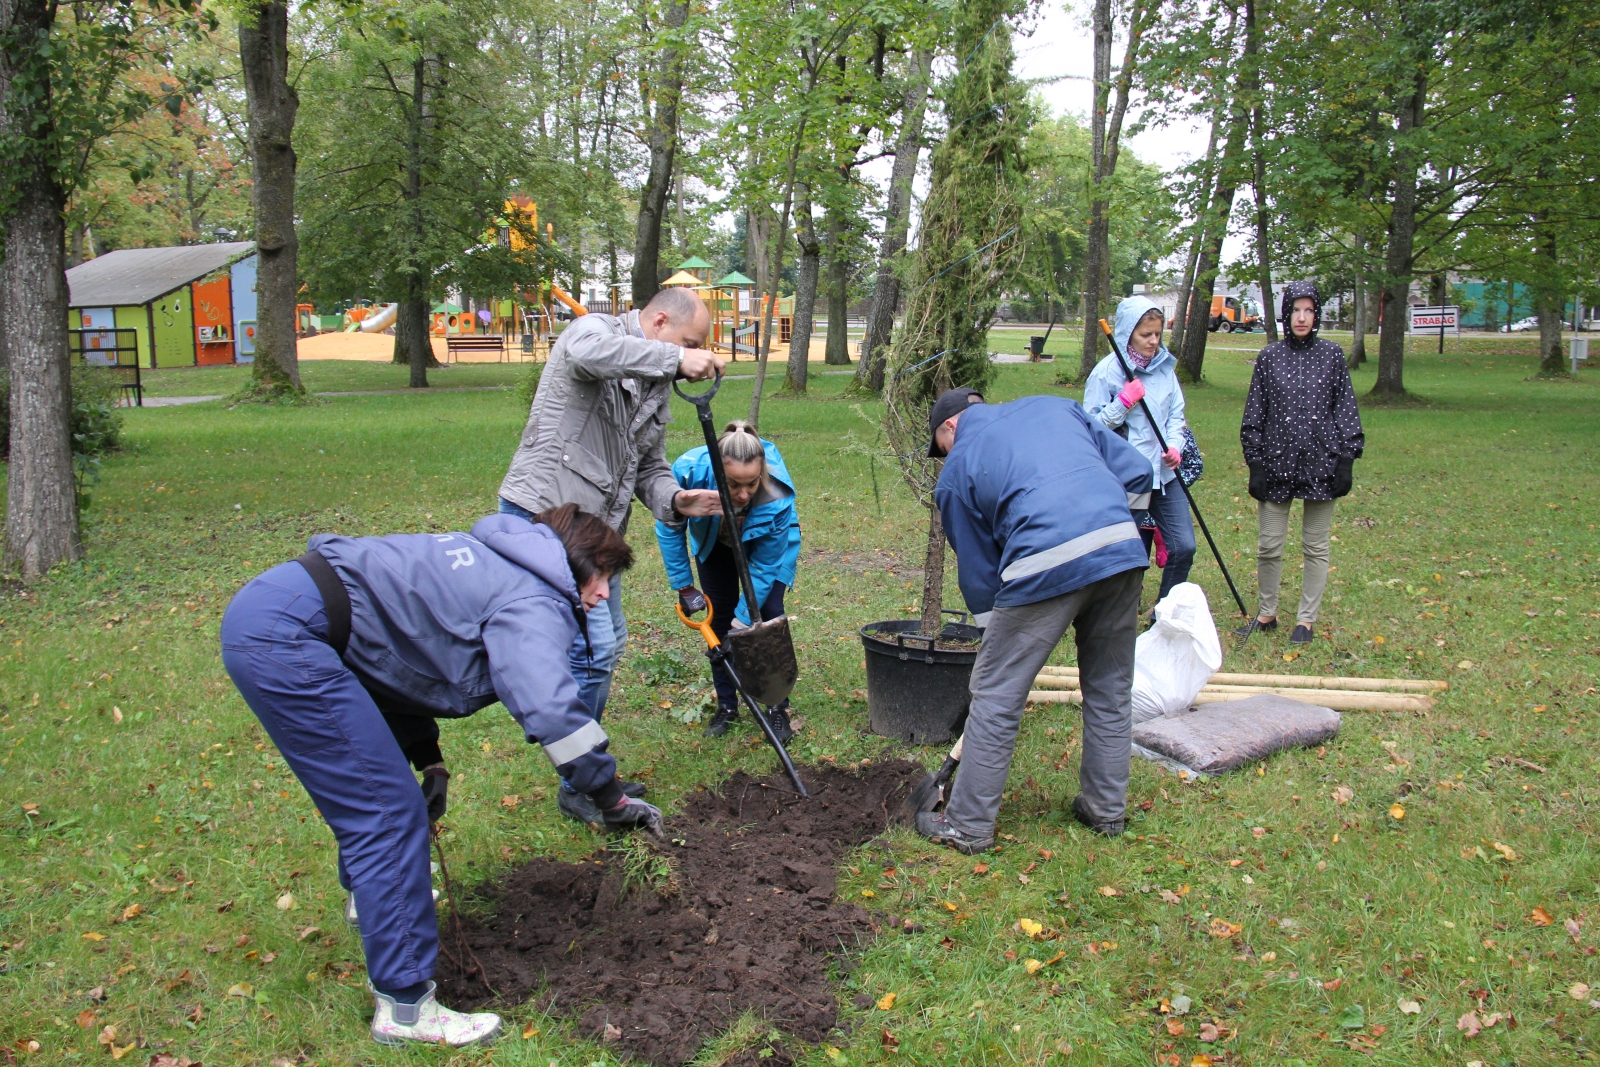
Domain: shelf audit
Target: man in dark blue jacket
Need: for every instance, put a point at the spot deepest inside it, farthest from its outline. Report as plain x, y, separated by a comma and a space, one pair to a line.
410, 628
1035, 498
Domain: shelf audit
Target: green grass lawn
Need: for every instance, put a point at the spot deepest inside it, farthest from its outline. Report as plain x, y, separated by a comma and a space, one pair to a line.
329, 375
161, 871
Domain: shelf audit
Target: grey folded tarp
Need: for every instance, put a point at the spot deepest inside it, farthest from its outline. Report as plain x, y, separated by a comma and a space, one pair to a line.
1218, 738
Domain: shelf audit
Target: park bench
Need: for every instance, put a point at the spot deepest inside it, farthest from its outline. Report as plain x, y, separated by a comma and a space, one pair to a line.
474, 343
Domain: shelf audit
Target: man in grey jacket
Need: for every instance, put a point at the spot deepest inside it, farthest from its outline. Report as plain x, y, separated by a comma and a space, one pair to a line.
596, 437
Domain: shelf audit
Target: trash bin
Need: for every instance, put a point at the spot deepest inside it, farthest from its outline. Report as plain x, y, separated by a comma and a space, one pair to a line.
1036, 346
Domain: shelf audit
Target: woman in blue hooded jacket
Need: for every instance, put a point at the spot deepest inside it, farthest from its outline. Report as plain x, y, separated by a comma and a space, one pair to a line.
769, 530
1112, 399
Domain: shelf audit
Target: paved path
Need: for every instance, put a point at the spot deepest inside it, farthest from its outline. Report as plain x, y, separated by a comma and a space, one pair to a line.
174, 401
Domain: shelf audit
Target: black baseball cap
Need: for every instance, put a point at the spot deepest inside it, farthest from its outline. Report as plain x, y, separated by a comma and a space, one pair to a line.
950, 402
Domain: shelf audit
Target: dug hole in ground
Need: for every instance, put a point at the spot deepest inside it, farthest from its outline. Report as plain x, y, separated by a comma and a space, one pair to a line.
657, 957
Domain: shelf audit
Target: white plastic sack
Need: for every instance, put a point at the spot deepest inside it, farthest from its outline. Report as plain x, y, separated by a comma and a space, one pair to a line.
1175, 658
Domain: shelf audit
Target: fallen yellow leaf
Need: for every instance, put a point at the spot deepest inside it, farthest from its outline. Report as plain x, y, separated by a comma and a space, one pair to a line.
287, 902
949, 906
91, 936
1032, 966
1029, 927
1108, 891
886, 1001
868, 893
1540, 917
1200, 1060
1224, 928
131, 911
242, 989
1507, 851
119, 1051
1409, 1007
510, 800
529, 1032
1397, 811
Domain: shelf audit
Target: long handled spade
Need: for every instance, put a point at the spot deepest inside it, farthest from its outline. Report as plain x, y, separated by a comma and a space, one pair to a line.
1162, 441
759, 658
932, 790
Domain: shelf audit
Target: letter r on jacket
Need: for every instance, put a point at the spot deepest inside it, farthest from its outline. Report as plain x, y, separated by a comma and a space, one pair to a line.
462, 556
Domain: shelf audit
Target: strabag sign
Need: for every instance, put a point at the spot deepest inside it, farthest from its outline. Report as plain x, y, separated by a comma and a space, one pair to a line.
1445, 319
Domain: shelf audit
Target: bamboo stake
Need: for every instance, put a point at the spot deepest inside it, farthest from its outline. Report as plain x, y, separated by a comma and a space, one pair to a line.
1362, 685
1339, 700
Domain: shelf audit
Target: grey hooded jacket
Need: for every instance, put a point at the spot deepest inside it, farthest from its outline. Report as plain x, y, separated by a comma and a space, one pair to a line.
442, 625
596, 434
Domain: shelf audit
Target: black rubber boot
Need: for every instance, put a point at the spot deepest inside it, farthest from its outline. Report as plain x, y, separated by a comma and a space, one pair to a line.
1112, 828
724, 718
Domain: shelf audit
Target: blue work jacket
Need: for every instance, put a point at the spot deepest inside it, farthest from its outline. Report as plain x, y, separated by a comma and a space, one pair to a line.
1035, 499
770, 532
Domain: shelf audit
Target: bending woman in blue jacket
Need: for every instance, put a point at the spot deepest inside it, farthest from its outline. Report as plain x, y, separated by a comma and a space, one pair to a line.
769, 530
335, 649
1113, 401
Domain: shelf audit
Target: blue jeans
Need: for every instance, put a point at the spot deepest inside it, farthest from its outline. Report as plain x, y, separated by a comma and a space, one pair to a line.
593, 661
1170, 508
332, 736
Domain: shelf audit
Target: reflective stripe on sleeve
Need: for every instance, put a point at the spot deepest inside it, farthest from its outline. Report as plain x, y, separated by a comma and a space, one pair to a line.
575, 744
1068, 551
1138, 501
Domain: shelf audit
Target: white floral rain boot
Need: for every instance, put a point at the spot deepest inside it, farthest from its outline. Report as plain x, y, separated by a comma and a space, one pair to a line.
430, 1022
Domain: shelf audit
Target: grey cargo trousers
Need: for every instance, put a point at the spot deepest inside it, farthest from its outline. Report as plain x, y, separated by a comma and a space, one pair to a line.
1018, 640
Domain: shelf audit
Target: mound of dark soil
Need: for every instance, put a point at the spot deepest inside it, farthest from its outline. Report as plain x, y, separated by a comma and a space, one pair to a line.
748, 924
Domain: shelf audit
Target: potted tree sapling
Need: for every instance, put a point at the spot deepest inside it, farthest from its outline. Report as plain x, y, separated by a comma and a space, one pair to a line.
918, 670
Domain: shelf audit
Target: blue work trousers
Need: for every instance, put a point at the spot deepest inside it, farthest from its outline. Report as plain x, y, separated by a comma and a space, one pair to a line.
275, 648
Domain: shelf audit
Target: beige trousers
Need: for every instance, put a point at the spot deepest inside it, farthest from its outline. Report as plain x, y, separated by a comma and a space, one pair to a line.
1315, 526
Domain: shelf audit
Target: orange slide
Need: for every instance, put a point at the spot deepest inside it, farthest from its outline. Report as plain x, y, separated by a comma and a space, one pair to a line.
561, 295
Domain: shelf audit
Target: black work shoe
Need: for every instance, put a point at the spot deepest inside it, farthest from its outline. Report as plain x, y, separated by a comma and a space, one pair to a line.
724, 718
1301, 635
1256, 626
633, 789
935, 827
578, 806
779, 718
1103, 827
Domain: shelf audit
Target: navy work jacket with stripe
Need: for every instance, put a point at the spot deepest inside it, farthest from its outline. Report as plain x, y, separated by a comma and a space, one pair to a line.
1035, 498
444, 624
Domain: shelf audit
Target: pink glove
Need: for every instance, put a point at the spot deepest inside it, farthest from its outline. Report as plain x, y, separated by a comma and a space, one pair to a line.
1161, 549
1131, 393
1173, 457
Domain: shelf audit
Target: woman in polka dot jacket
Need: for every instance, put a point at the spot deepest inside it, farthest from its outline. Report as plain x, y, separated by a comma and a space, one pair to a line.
1301, 436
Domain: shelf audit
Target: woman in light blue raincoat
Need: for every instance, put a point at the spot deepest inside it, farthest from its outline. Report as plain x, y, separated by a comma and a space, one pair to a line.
769, 530
1111, 398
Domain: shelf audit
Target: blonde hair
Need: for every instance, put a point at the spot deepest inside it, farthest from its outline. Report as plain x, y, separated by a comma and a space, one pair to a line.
739, 443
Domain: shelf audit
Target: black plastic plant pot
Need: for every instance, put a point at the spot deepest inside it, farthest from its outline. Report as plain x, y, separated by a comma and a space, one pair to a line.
915, 691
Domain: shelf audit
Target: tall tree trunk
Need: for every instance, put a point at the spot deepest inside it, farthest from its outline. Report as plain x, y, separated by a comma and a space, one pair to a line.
271, 104
411, 336
1106, 134
1196, 332
1250, 82
411, 342
769, 300
838, 350
1208, 175
896, 224
1399, 256
933, 577
1551, 303
1358, 345
661, 137
41, 497
805, 294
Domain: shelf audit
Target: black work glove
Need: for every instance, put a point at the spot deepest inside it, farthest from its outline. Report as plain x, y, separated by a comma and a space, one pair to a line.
435, 783
691, 600
1258, 481
633, 814
1344, 476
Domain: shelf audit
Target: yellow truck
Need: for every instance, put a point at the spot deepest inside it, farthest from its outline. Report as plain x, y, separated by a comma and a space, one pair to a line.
1230, 313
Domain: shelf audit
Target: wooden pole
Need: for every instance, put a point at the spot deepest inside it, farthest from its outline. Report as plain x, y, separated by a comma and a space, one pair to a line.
1364, 685
1339, 700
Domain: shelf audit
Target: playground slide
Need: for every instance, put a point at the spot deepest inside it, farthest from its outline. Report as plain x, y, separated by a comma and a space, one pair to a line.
561, 295
379, 320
